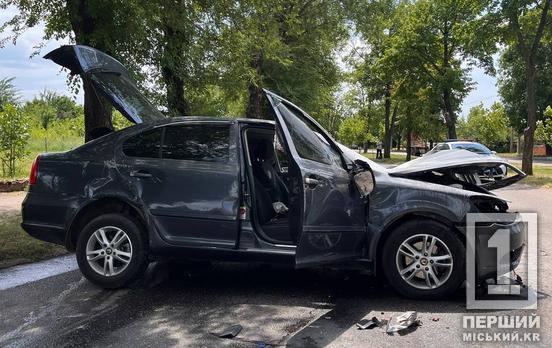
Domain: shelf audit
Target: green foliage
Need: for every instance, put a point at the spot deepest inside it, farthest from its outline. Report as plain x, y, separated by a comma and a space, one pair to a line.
352, 131
8, 92
512, 83
487, 126
13, 138
544, 127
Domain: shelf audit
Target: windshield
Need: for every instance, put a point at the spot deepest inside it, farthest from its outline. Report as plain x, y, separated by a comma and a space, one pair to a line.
473, 147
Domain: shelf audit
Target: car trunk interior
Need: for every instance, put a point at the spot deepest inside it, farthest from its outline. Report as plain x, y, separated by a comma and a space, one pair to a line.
267, 168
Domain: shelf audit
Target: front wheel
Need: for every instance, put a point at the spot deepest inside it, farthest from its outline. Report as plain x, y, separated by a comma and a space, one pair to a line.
111, 251
424, 259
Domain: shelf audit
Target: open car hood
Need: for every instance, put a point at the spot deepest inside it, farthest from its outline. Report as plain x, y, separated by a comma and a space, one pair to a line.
109, 77
458, 165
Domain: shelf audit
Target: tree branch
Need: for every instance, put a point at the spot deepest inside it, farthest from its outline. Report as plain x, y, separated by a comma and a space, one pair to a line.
540, 29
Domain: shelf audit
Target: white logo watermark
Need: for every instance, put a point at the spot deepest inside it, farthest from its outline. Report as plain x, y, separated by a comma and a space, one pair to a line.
508, 326
495, 246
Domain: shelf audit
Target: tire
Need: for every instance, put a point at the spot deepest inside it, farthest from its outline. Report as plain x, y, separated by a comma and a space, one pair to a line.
414, 283
124, 269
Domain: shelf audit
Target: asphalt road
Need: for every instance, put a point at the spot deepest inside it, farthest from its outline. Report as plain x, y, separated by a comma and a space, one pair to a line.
180, 304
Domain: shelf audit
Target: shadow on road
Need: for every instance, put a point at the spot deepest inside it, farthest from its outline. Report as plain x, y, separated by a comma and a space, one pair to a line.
181, 303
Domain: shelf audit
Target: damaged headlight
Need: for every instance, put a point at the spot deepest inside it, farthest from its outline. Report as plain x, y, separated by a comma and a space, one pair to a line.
489, 205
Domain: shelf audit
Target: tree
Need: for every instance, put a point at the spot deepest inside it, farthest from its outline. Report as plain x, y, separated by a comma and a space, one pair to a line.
116, 27
489, 127
438, 41
376, 22
8, 92
284, 45
523, 27
544, 127
13, 137
352, 131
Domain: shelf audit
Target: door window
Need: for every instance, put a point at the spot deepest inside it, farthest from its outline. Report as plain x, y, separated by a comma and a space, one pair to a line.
146, 144
200, 142
309, 144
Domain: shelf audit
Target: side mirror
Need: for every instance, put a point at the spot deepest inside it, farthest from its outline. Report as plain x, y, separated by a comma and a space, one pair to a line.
364, 182
493, 152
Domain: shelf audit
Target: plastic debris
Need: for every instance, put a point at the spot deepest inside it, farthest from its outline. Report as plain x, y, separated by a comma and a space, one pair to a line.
229, 332
367, 323
403, 322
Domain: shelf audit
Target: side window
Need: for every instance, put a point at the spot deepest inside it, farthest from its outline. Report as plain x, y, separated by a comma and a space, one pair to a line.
309, 143
146, 144
202, 142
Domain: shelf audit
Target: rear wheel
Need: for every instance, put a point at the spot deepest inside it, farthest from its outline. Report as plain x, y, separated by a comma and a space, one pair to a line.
424, 259
111, 251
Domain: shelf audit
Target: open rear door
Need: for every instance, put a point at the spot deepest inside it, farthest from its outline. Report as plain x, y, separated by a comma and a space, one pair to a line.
327, 215
109, 77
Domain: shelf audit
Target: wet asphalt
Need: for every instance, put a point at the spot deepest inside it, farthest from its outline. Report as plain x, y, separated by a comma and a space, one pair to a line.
181, 304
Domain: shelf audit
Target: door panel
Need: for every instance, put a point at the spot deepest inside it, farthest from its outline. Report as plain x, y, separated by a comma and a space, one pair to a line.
192, 202
330, 224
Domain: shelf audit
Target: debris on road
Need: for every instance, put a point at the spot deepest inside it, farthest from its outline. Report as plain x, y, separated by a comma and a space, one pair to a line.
229, 332
367, 324
402, 322
435, 319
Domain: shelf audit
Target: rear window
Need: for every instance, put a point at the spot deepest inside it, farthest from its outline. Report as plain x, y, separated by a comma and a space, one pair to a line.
473, 147
202, 142
146, 144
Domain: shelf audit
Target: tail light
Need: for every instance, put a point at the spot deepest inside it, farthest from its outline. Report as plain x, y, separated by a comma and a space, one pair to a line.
34, 172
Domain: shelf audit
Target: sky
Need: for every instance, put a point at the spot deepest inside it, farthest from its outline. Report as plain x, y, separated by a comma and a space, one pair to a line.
35, 74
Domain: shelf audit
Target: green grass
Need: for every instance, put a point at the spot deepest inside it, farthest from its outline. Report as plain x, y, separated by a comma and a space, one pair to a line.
396, 158
16, 246
37, 146
542, 176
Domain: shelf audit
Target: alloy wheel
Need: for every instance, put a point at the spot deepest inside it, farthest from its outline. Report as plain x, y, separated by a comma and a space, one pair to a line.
424, 261
109, 251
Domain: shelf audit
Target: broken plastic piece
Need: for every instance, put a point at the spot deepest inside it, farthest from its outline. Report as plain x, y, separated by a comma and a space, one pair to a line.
280, 208
229, 332
402, 322
367, 324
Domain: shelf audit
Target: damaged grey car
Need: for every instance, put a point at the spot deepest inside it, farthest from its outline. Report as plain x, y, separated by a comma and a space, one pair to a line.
255, 190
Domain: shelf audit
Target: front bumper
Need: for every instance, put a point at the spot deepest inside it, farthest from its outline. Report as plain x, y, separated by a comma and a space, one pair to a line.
486, 257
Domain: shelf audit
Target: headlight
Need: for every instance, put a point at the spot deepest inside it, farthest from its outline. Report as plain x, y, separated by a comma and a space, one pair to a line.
489, 205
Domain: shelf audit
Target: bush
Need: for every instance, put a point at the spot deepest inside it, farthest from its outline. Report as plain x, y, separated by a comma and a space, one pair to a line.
14, 135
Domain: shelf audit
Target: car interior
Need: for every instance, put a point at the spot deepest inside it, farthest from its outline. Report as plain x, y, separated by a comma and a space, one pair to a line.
268, 162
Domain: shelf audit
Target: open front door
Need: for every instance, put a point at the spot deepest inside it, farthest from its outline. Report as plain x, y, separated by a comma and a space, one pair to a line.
327, 215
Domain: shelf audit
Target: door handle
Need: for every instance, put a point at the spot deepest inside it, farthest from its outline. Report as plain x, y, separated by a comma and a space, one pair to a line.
311, 181
140, 174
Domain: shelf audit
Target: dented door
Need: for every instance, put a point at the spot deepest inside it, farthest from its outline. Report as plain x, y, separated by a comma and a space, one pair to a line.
327, 215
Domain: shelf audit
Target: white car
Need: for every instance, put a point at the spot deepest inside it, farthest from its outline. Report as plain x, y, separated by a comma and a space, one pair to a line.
488, 174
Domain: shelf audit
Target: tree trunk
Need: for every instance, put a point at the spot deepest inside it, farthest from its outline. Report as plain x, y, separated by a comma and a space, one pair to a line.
398, 142
97, 110
448, 112
408, 144
172, 60
176, 104
511, 140
529, 131
389, 130
255, 89
386, 136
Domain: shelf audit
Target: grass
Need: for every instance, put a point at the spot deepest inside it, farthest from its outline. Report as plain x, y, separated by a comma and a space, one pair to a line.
396, 158
16, 246
542, 176
37, 146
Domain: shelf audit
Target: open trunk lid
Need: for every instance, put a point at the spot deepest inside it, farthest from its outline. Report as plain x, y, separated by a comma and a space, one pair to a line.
109, 77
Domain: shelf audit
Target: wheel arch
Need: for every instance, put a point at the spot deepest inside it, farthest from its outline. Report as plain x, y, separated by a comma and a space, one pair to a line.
97, 207
377, 244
